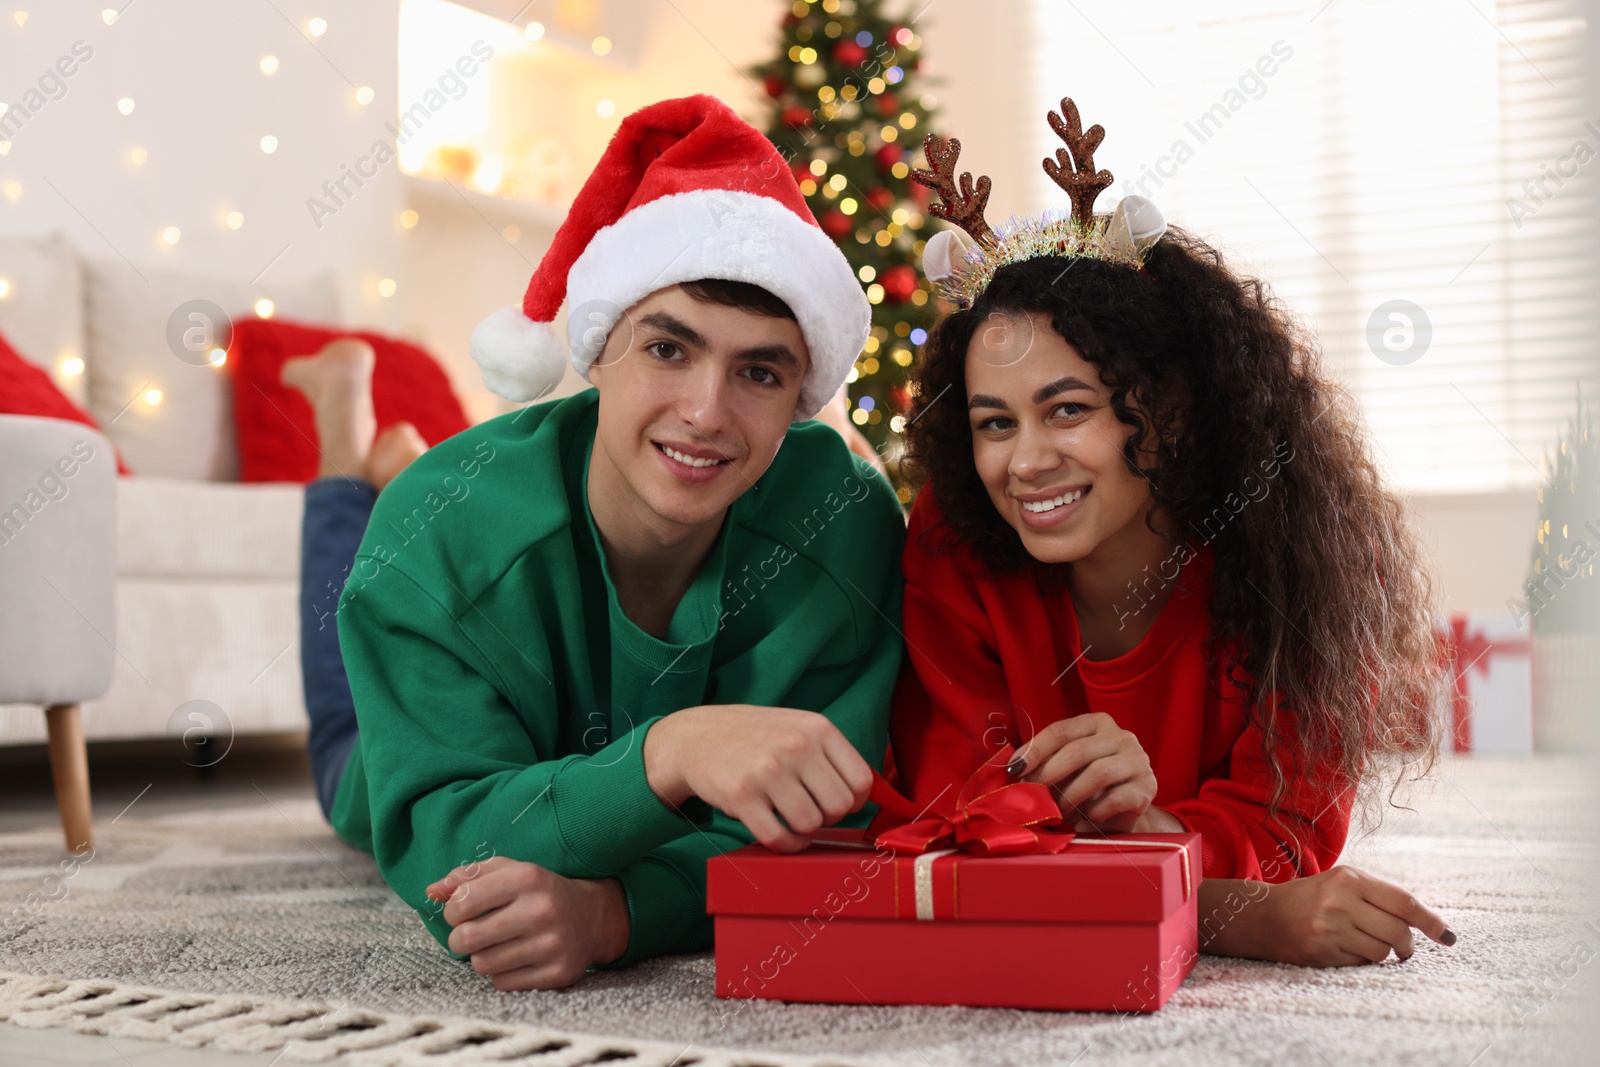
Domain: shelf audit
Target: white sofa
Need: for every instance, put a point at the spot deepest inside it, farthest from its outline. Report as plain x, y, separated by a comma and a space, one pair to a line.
206, 568
206, 581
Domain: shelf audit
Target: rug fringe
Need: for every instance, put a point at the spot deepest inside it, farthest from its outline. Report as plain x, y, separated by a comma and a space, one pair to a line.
321, 1032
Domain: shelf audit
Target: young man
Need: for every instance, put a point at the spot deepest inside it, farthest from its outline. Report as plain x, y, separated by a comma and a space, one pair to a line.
594, 642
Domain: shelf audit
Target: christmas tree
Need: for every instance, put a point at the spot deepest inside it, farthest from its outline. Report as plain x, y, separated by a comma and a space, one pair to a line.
849, 118
1563, 592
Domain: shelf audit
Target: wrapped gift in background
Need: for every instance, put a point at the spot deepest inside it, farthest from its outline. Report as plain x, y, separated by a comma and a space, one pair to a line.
1491, 671
984, 908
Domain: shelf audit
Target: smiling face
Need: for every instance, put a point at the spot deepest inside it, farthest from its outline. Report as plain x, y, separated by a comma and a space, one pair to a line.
695, 398
1047, 445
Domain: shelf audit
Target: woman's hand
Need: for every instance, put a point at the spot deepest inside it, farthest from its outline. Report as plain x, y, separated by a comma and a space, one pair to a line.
1339, 918
526, 927
1098, 771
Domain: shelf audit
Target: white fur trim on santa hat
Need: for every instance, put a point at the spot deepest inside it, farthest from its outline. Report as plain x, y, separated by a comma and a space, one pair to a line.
521, 359
733, 236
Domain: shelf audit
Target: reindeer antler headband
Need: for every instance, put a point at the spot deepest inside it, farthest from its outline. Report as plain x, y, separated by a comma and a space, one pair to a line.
962, 272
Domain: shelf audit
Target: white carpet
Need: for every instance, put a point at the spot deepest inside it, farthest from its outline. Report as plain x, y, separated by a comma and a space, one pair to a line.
266, 905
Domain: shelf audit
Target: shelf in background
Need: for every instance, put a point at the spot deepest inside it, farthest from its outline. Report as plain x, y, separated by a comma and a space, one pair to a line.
424, 193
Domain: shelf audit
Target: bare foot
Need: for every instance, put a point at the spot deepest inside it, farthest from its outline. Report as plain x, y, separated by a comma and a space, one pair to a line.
396, 446
338, 382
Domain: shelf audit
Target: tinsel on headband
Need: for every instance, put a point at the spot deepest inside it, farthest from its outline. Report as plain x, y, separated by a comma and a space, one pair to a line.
1052, 233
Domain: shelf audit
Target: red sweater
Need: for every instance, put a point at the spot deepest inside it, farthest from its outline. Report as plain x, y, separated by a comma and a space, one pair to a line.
986, 666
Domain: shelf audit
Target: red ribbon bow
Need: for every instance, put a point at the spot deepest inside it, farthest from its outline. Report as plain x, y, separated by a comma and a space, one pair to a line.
995, 815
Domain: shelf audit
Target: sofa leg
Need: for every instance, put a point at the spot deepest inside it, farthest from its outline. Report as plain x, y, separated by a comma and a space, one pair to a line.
69, 766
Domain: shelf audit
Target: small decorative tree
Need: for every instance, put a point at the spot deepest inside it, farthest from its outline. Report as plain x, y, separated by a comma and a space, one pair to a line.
1563, 593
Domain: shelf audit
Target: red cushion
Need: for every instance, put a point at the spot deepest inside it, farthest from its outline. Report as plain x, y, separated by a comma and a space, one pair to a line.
26, 389
277, 432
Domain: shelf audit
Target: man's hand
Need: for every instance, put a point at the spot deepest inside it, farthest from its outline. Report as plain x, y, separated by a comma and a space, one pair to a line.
1098, 771
1340, 918
759, 765
529, 928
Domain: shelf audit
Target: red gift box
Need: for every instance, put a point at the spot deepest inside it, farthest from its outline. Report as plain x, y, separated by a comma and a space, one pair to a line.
1491, 668
1099, 923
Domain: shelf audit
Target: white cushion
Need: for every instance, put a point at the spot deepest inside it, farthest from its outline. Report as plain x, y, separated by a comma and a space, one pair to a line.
190, 434
185, 529
41, 314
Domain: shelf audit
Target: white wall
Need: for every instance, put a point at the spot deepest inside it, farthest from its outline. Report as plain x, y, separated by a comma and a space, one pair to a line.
201, 107
1481, 545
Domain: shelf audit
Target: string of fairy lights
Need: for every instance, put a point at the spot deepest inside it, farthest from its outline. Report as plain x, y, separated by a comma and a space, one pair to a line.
68, 366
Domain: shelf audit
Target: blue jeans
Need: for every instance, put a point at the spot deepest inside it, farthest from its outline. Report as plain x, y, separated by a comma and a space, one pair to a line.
337, 510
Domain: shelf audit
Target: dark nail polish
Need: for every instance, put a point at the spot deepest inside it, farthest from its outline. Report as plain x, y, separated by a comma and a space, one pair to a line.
1448, 937
1016, 766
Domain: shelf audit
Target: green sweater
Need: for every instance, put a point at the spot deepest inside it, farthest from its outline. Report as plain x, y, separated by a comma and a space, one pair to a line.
503, 696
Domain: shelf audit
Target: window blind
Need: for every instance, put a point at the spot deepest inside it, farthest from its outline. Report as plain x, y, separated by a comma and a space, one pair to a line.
1354, 154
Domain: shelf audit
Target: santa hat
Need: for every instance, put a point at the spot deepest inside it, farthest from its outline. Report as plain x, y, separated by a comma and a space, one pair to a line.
685, 190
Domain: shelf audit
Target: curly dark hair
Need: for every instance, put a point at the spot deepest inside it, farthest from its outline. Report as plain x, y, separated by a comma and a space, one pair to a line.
1320, 594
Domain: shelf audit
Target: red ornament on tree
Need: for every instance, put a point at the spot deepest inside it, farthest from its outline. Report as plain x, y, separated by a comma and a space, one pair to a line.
888, 156
796, 117
774, 85
900, 397
920, 195
898, 282
849, 53
836, 224
880, 198
888, 103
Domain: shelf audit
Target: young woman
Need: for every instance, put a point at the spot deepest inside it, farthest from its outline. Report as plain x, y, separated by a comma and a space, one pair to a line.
1152, 552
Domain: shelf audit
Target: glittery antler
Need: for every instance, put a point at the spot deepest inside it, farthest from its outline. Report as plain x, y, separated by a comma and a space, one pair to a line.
1076, 173
963, 206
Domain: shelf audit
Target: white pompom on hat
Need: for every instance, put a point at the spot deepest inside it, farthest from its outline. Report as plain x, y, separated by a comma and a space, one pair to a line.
686, 190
